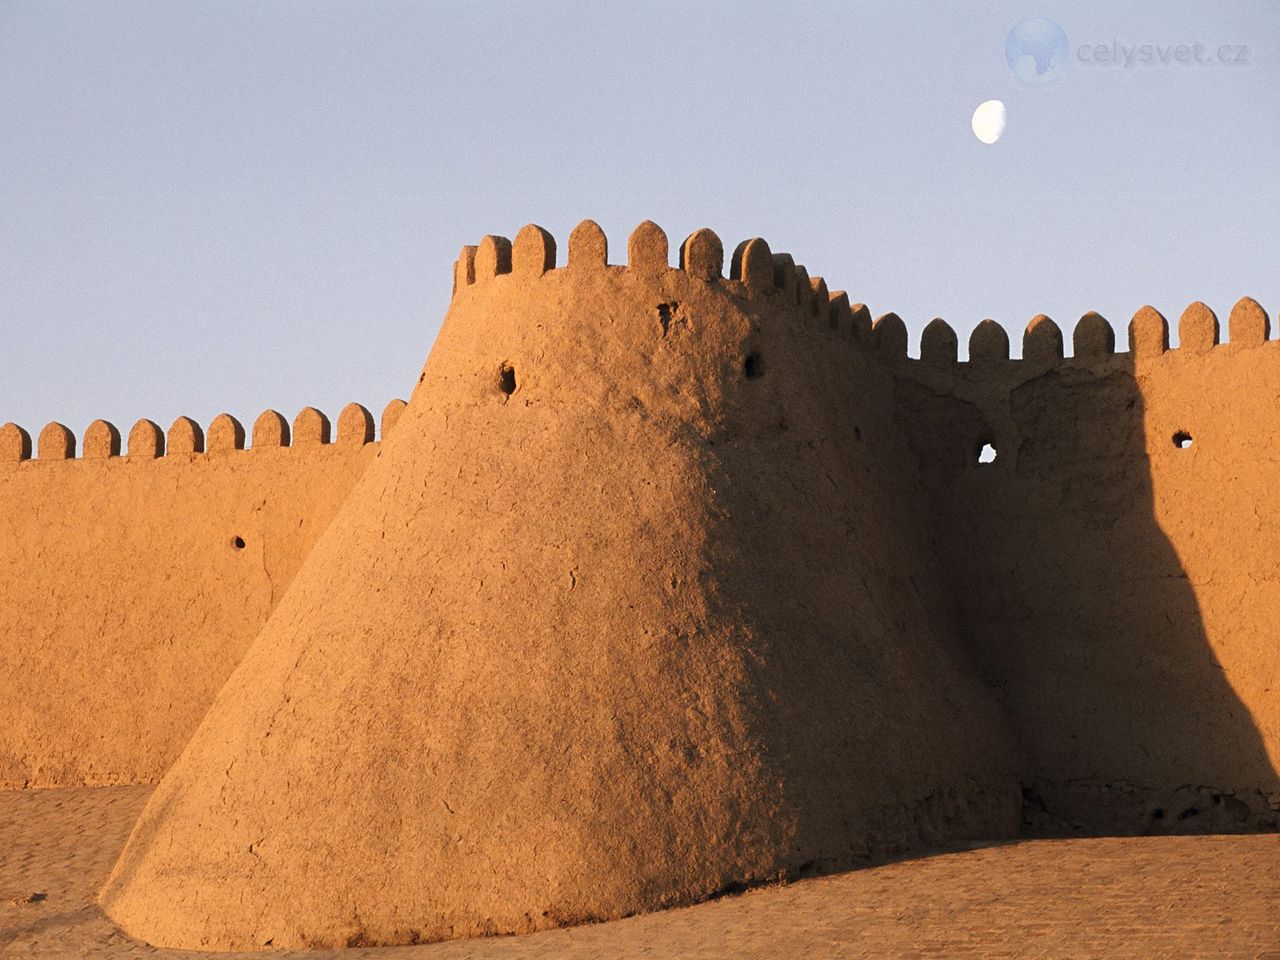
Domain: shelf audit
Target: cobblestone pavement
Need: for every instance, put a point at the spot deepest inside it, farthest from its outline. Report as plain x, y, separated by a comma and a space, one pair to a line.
1176, 897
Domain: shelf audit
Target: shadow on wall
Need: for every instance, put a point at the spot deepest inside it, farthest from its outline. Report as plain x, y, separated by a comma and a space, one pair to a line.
882, 736
1075, 605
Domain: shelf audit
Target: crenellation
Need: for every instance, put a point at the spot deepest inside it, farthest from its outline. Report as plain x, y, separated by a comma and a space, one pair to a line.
752, 265
101, 441
391, 416
186, 437
464, 268
226, 434
804, 292
820, 301
785, 275
1148, 333
534, 251
1042, 342
890, 335
588, 247
988, 344
839, 315
355, 425
15, 444
938, 344
56, 443
146, 439
860, 319
270, 430
493, 257
1197, 328
647, 249
755, 270
702, 255
1093, 336
1248, 323
310, 427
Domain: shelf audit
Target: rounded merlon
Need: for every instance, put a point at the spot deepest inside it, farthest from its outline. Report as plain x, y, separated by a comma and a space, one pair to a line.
146, 440
938, 343
355, 425
101, 440
588, 247
647, 249
1093, 336
185, 437
988, 343
1248, 323
270, 430
1042, 341
15, 443
226, 434
56, 442
310, 427
1197, 328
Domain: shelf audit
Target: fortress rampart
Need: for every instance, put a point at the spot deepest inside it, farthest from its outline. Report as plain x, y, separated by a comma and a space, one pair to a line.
1115, 568
133, 584
1110, 580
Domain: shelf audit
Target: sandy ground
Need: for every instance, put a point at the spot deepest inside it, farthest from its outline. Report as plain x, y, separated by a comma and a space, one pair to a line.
1149, 897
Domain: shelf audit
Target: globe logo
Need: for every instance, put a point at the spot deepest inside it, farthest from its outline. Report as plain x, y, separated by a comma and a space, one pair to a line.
1036, 50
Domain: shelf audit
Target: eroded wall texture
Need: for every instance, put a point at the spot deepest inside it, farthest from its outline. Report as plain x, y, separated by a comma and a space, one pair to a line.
635, 605
130, 586
1112, 577
1116, 567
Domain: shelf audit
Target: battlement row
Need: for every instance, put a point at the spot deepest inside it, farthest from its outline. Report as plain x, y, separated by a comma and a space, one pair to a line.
225, 434
1093, 336
754, 269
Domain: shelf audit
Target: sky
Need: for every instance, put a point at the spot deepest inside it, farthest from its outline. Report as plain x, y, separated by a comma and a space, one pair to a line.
234, 206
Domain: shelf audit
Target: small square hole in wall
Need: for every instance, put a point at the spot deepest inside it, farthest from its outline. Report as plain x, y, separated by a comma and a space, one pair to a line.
987, 453
1182, 440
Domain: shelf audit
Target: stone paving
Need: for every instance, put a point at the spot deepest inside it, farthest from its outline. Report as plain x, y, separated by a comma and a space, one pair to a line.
1151, 897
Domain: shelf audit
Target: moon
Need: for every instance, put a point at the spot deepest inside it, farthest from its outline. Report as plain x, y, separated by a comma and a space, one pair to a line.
988, 121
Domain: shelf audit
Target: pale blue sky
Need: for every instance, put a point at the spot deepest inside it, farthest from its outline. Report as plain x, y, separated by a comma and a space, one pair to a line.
241, 205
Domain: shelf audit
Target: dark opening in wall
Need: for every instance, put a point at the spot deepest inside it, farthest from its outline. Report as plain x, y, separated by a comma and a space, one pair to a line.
753, 366
987, 452
238, 543
507, 379
1182, 440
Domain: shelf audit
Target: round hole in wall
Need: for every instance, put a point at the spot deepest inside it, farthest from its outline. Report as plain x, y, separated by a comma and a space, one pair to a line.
237, 542
987, 452
507, 379
1182, 440
753, 366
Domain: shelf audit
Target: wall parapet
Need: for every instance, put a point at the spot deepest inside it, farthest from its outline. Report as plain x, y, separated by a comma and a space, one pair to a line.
755, 271
1093, 338
186, 438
